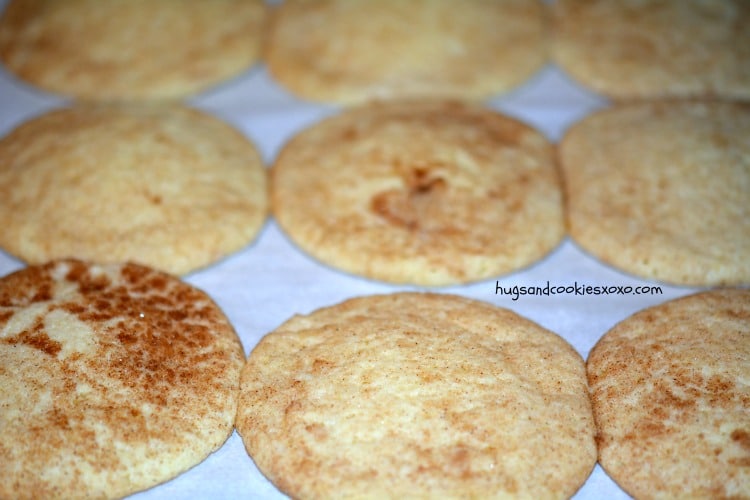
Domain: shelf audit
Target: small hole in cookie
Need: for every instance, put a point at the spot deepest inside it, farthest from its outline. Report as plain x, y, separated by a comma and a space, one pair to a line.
432, 185
420, 182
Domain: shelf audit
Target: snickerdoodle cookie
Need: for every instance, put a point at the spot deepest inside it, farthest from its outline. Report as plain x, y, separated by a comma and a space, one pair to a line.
353, 51
630, 49
662, 190
114, 379
420, 396
670, 387
423, 192
166, 186
130, 49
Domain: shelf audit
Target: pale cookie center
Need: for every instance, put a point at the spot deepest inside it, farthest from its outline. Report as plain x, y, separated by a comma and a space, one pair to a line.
418, 201
55, 332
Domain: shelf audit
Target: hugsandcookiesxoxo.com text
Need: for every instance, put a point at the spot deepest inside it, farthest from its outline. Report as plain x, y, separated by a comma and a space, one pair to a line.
576, 288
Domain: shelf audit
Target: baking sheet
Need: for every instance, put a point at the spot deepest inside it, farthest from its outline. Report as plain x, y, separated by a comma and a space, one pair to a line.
270, 280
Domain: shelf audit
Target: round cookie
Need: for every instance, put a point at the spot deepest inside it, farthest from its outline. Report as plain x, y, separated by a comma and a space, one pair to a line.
354, 51
669, 386
420, 396
662, 190
130, 49
629, 49
114, 379
430, 193
168, 187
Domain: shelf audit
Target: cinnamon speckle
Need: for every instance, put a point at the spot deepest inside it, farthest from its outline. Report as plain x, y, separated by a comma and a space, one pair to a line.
741, 437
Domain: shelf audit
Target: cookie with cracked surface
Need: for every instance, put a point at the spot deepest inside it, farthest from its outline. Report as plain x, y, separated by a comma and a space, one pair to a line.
420, 396
662, 190
130, 49
423, 192
355, 51
671, 399
115, 378
166, 186
636, 49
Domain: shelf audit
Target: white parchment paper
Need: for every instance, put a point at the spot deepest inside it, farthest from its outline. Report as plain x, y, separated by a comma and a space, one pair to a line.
270, 280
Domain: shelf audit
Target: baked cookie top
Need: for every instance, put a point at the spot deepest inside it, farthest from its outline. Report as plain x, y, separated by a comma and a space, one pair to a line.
420, 396
353, 51
130, 49
166, 186
662, 190
423, 192
114, 379
671, 398
629, 49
